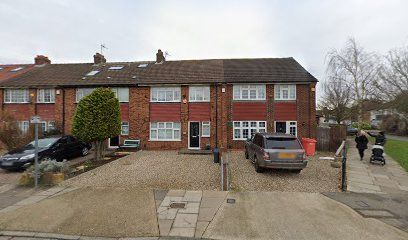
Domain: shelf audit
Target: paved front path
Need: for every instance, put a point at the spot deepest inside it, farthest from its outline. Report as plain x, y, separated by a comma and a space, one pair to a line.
362, 176
191, 220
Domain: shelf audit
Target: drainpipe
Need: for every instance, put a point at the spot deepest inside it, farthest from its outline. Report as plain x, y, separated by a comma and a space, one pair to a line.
216, 150
63, 111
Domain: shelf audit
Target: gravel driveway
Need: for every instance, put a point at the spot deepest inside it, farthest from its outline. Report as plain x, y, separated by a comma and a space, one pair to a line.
154, 169
318, 176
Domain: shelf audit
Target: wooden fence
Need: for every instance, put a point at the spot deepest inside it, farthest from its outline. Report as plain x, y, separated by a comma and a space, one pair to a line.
329, 138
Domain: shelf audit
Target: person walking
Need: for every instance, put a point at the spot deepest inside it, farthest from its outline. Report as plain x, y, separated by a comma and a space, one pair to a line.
362, 142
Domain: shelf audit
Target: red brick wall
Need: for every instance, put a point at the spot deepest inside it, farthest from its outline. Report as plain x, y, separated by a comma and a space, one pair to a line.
242, 111
20, 112
285, 111
124, 111
70, 106
170, 112
199, 111
46, 111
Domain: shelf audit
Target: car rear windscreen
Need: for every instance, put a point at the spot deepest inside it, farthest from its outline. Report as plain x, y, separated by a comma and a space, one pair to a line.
282, 143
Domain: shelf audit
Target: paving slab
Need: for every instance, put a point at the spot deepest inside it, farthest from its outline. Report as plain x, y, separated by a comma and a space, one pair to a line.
185, 220
207, 214
191, 207
182, 232
200, 228
165, 226
207, 202
176, 193
193, 196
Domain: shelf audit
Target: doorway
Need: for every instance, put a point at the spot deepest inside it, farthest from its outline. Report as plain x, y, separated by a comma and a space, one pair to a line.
194, 135
114, 142
280, 127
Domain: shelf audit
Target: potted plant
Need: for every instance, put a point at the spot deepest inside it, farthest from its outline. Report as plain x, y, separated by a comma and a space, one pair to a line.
50, 171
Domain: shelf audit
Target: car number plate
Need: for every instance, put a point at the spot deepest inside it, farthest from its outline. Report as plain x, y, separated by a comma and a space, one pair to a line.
286, 155
7, 163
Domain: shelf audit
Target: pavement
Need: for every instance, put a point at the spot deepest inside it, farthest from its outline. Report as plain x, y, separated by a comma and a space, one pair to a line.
395, 137
83, 213
364, 177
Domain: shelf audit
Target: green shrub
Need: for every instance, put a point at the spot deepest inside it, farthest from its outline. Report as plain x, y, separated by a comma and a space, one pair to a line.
362, 125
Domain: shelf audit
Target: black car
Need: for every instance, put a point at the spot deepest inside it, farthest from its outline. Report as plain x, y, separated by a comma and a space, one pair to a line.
58, 148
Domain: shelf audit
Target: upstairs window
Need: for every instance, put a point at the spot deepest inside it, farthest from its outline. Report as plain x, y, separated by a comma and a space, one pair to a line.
249, 92
17, 69
285, 92
46, 95
16, 96
165, 94
83, 92
122, 94
92, 73
199, 94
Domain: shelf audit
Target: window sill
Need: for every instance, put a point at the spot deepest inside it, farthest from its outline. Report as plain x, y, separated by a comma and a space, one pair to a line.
194, 101
249, 100
16, 102
205, 136
45, 102
287, 100
165, 102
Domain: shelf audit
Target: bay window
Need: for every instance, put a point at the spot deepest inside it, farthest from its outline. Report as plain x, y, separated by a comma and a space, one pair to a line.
165, 131
16, 96
165, 94
245, 129
249, 92
285, 92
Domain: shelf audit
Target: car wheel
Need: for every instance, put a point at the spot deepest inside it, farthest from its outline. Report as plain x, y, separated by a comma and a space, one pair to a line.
258, 169
246, 154
85, 151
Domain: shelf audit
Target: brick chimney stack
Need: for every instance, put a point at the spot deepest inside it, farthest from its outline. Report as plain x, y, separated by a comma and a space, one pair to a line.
160, 56
41, 59
99, 58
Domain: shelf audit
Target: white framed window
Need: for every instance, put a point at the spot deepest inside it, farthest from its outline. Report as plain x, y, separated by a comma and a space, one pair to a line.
43, 126
249, 92
199, 93
51, 125
125, 128
245, 129
165, 131
165, 94
16, 96
121, 93
288, 127
285, 92
83, 92
205, 129
23, 125
46, 95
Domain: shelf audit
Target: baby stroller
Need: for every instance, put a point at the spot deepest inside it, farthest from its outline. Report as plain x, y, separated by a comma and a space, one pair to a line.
377, 154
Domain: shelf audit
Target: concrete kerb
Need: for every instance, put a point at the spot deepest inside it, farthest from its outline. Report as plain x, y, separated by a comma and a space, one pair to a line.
39, 235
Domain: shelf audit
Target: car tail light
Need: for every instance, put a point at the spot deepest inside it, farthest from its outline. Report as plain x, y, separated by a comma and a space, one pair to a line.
265, 156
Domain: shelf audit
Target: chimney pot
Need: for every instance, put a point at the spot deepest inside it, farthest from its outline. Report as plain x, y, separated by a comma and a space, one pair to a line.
99, 58
160, 56
41, 59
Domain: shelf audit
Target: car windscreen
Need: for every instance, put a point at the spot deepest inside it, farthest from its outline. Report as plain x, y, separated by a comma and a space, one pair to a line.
282, 143
42, 143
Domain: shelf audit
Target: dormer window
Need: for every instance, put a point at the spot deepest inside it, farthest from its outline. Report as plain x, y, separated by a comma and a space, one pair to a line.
115, 68
16, 69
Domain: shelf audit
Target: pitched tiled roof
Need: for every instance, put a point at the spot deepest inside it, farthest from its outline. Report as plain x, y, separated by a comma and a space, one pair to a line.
6, 70
169, 72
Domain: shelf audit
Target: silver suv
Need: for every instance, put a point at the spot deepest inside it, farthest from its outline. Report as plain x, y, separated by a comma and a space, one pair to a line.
275, 150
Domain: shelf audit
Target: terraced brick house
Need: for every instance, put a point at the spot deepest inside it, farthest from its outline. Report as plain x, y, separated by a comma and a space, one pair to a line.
192, 104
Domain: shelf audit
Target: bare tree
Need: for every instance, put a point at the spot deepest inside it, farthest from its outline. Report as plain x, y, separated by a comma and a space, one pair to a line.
393, 75
336, 99
357, 69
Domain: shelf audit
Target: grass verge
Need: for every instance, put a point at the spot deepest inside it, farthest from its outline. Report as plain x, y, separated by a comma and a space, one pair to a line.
398, 150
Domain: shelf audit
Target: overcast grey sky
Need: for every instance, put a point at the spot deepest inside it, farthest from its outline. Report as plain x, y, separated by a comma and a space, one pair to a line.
72, 30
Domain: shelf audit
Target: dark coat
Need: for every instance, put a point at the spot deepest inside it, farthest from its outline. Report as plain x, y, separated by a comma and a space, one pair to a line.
361, 142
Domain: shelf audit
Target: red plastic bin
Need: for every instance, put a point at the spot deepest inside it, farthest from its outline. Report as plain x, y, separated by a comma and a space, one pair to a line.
309, 144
